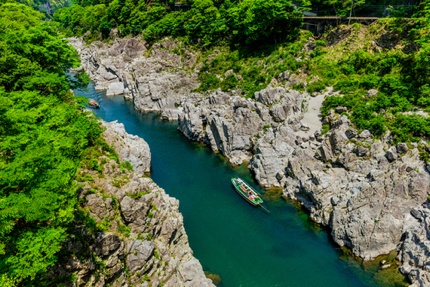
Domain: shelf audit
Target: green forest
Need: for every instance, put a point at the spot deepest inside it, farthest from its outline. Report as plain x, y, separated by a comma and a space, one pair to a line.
261, 39
45, 138
46, 135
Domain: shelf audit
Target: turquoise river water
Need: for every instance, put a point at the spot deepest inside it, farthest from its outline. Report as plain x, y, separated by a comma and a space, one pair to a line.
244, 245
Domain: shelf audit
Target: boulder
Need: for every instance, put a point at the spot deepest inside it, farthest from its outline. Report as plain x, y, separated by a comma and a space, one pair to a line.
129, 147
402, 148
139, 252
107, 243
341, 110
372, 93
361, 151
115, 88
365, 134
391, 154
270, 95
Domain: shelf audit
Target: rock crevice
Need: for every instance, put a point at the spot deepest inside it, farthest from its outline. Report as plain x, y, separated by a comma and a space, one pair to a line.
137, 237
363, 188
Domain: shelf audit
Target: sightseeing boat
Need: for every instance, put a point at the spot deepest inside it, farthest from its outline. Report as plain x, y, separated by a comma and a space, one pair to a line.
246, 192
93, 104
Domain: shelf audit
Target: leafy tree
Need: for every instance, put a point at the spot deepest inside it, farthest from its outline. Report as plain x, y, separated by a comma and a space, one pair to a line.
171, 24
205, 23
43, 135
259, 20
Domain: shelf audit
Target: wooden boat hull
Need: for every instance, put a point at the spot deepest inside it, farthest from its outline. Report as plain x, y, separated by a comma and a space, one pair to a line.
94, 104
244, 190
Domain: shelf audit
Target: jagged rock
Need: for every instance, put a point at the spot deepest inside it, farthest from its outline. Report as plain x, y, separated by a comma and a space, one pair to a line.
152, 82
361, 151
365, 134
271, 154
402, 148
138, 254
340, 110
134, 210
391, 154
350, 134
414, 251
334, 200
129, 147
145, 240
240, 103
116, 88
279, 112
372, 93
107, 243
171, 114
97, 205
269, 95
304, 127
363, 195
190, 271
417, 214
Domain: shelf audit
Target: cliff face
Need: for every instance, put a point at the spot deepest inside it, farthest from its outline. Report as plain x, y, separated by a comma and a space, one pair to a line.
140, 238
371, 193
156, 82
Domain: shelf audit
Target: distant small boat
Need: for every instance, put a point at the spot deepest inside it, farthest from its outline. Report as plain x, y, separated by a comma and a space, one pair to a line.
94, 104
246, 192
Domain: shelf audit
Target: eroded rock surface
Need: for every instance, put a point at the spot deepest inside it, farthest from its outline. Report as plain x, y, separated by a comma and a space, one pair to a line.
129, 147
139, 238
155, 80
415, 248
365, 189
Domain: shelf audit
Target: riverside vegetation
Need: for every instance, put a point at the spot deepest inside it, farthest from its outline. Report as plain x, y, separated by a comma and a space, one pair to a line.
247, 45
255, 41
73, 211
45, 138
365, 187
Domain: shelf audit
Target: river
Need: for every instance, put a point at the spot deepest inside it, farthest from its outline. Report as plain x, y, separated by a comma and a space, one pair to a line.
245, 245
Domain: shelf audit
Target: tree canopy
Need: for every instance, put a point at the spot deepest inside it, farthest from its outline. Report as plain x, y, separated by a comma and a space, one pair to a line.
43, 134
211, 22
205, 22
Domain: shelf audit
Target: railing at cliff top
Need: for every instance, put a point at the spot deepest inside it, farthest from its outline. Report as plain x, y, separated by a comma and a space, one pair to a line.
315, 20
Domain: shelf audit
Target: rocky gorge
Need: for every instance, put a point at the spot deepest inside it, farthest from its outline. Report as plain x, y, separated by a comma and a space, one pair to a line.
372, 194
140, 239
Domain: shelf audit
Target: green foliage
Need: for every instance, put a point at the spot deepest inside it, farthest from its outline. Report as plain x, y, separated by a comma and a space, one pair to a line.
247, 69
171, 24
35, 251
343, 7
400, 78
261, 20
124, 229
317, 86
43, 136
325, 128
206, 23
411, 127
126, 165
6, 281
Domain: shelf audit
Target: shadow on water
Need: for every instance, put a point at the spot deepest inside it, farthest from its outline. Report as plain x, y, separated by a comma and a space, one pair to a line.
238, 244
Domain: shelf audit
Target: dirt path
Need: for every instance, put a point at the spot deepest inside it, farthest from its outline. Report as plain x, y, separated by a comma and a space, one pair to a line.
312, 117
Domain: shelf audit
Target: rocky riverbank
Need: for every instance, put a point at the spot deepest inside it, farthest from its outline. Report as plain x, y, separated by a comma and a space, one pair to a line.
140, 237
371, 193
